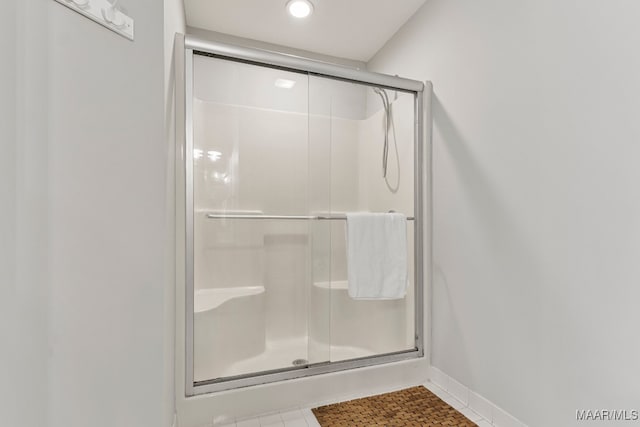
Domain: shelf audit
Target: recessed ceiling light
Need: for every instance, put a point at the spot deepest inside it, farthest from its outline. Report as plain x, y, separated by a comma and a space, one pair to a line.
300, 8
285, 83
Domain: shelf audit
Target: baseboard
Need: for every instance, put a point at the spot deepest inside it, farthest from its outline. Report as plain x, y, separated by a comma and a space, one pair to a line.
488, 410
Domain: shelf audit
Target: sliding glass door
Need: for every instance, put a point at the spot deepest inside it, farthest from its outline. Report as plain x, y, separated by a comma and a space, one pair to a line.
276, 158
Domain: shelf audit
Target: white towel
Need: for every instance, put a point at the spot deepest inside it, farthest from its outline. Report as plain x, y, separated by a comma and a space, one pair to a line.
377, 255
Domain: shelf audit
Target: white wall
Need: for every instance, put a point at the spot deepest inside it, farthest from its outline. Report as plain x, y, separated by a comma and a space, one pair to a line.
84, 221
8, 145
8, 82
23, 216
107, 201
536, 214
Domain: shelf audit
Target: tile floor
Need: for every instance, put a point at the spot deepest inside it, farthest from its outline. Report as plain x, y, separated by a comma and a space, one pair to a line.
304, 417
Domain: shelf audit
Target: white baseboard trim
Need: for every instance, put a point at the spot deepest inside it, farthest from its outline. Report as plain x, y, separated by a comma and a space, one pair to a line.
468, 398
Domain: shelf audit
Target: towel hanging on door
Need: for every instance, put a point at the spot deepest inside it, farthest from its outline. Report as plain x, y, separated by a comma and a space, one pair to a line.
377, 255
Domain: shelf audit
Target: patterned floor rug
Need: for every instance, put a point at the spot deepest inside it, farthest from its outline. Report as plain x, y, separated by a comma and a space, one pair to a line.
411, 407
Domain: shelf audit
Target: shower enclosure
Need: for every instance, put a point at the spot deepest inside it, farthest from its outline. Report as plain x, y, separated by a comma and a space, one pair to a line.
277, 149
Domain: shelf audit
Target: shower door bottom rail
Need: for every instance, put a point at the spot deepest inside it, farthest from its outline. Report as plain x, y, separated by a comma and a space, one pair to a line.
286, 217
265, 377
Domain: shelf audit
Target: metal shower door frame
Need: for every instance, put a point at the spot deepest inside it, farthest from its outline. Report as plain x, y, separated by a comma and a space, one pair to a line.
194, 46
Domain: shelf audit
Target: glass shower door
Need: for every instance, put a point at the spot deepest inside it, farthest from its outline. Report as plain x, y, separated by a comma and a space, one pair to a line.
348, 123
257, 249
275, 161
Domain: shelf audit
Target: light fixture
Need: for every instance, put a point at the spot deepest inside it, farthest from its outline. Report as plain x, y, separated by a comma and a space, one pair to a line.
285, 83
300, 8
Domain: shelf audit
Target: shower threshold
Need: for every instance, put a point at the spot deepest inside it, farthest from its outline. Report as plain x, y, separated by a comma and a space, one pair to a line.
282, 353
292, 372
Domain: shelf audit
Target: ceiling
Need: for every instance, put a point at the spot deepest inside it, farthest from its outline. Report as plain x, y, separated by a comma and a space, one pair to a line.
353, 29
